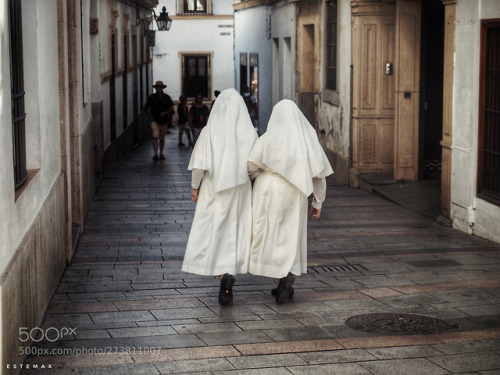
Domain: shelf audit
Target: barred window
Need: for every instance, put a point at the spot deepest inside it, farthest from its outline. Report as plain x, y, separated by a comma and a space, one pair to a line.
489, 113
331, 45
17, 86
196, 76
195, 7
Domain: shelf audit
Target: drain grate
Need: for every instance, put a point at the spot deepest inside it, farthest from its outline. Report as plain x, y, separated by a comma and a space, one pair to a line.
344, 268
398, 324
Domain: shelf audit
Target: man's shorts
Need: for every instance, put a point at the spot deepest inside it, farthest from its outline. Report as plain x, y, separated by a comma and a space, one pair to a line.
184, 128
158, 131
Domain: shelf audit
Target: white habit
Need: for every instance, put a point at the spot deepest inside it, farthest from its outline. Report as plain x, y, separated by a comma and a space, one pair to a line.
220, 236
290, 164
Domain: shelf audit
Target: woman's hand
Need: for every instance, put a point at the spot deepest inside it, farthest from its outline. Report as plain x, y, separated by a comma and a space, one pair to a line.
315, 213
194, 194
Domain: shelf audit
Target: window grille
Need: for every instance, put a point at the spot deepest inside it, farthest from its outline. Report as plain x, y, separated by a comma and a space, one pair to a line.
17, 98
195, 7
196, 76
331, 45
489, 113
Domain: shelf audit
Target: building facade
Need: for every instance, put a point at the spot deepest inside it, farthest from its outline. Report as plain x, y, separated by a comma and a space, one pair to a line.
74, 77
196, 54
398, 90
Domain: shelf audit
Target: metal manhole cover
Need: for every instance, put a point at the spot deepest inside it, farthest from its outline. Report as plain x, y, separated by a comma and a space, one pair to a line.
398, 324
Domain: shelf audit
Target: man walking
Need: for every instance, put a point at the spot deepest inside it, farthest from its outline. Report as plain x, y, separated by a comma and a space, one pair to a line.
198, 116
159, 108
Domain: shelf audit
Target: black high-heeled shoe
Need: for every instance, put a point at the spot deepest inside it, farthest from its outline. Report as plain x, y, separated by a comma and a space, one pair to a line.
284, 288
226, 290
275, 291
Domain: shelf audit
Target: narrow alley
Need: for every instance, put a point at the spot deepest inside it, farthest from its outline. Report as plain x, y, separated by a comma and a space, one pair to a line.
387, 292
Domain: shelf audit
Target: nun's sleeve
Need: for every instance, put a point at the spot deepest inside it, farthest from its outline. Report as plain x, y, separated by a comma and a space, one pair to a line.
319, 192
253, 170
196, 176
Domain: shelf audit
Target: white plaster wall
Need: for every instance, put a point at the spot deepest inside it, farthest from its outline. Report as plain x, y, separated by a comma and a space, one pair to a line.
6, 172
335, 118
195, 35
250, 37
42, 108
283, 26
468, 212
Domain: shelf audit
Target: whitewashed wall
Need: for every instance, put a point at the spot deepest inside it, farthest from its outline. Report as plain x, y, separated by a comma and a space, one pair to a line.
283, 29
250, 37
42, 122
469, 213
194, 35
334, 111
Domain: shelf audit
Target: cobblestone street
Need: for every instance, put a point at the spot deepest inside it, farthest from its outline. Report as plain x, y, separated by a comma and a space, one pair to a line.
135, 312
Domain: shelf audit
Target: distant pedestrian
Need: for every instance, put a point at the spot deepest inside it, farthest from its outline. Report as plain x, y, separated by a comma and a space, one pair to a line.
252, 107
216, 94
288, 164
159, 107
182, 121
198, 116
219, 240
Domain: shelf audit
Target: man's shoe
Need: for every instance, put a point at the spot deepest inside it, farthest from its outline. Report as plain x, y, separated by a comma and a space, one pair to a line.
162, 157
180, 144
226, 290
155, 158
284, 288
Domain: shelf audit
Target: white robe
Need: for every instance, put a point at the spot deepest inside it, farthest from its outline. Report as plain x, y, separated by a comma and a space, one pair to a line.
279, 239
220, 236
291, 158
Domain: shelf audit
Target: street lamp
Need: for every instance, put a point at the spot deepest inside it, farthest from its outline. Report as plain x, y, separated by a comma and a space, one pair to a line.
164, 21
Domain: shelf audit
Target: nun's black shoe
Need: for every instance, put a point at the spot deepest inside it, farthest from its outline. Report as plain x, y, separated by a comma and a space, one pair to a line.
284, 288
226, 290
290, 296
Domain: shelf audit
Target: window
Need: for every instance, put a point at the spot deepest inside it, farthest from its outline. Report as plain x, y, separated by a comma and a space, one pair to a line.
195, 7
489, 113
196, 75
17, 86
331, 45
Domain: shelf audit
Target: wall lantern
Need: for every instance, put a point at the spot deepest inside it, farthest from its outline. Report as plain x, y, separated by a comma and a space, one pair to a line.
164, 21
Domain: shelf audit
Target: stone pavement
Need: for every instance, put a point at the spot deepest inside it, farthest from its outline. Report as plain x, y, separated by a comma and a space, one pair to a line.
387, 292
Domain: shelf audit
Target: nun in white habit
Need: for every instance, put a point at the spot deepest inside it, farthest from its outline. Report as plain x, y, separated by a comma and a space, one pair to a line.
219, 241
288, 164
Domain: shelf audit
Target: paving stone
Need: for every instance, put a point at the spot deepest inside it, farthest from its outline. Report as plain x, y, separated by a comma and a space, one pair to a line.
405, 352
337, 356
415, 366
122, 316
131, 369
260, 361
270, 324
261, 371
199, 328
168, 341
330, 369
194, 312
232, 338
214, 364
468, 346
468, 362
170, 303
309, 333
142, 331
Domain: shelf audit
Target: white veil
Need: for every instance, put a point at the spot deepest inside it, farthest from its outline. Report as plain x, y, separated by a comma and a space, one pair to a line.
225, 142
290, 147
